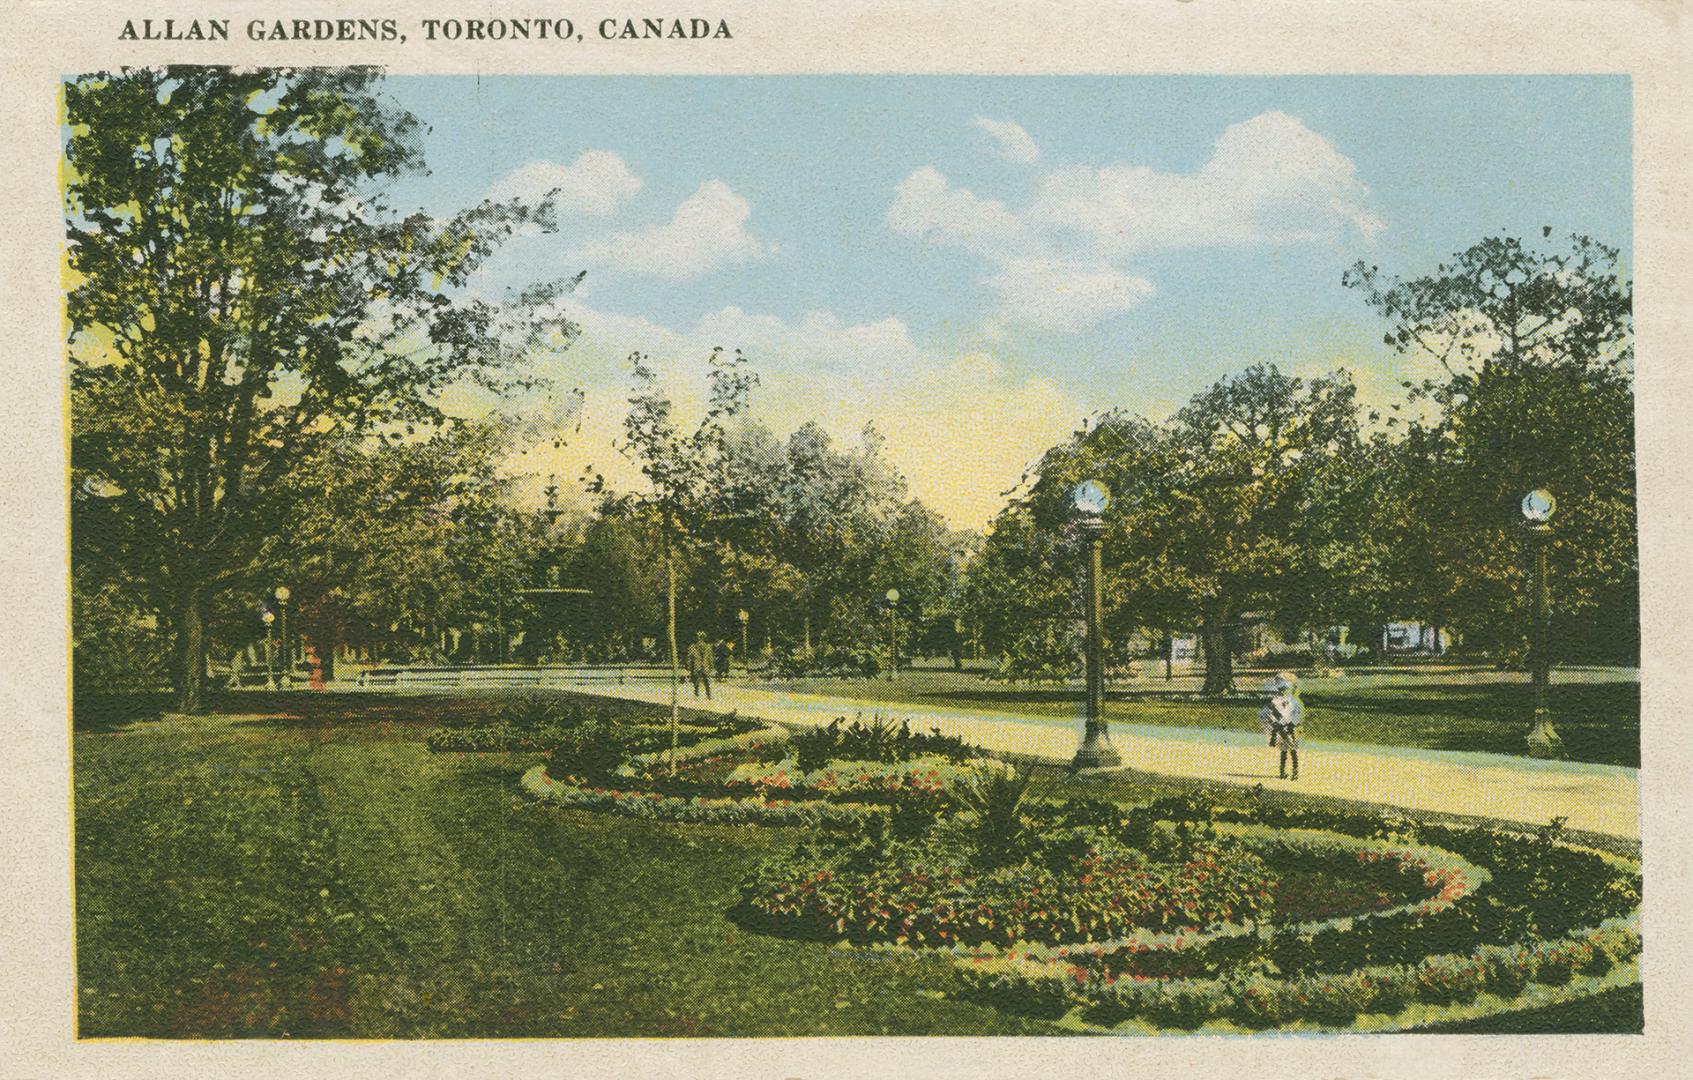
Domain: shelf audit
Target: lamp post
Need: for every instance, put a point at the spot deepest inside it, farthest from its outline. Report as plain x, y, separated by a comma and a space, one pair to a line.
745, 617
282, 593
893, 632
269, 619
1096, 752
1538, 506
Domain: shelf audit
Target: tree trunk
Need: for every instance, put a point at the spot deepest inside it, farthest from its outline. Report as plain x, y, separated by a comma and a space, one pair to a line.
1219, 653
191, 652
675, 661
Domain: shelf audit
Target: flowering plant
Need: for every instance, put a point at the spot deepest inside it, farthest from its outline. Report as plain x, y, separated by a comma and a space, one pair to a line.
929, 777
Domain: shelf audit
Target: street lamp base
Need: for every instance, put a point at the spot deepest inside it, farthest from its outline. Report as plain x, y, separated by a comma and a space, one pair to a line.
1543, 740
1096, 752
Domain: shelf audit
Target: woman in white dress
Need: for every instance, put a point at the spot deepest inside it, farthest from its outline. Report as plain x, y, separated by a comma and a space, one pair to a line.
1280, 717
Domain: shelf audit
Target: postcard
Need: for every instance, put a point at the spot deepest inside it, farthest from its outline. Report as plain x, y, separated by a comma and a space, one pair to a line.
865, 541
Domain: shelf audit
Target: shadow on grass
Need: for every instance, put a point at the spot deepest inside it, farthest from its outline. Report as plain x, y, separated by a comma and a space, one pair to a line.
1615, 1012
1599, 722
98, 713
783, 929
1019, 1002
102, 713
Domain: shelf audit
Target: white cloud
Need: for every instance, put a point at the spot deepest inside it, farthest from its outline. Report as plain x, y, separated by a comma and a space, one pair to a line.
927, 206
597, 182
1061, 263
1269, 179
1010, 140
1035, 288
1062, 296
707, 231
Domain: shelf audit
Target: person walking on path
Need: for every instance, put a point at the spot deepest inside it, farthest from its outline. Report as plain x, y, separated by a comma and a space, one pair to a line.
1280, 717
700, 664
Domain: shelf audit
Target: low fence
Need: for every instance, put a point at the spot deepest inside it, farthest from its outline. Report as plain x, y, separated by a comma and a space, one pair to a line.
502, 676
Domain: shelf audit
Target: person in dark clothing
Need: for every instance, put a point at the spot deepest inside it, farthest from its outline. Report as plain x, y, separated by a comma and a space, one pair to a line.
700, 664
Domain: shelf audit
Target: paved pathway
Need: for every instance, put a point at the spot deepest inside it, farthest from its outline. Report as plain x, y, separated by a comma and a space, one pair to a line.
1595, 798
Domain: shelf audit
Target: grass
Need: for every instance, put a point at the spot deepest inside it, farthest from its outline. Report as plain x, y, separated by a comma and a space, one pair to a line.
299, 865
266, 875
1446, 708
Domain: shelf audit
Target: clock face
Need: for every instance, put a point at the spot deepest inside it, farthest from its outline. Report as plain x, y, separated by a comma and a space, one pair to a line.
1090, 497
1538, 505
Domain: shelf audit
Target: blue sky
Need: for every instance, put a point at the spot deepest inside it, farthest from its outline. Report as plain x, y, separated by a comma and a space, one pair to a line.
976, 263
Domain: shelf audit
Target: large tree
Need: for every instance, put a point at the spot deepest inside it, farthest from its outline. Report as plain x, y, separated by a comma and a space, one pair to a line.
1237, 520
1222, 511
391, 543
1533, 351
241, 291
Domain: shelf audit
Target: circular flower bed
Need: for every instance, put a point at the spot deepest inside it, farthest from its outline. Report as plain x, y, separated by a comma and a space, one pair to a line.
698, 810
1107, 905
930, 891
755, 778
1175, 916
1441, 987
1544, 922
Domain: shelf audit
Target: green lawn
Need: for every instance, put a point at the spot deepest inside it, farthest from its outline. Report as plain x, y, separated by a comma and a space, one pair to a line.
326, 876
299, 865
1596, 712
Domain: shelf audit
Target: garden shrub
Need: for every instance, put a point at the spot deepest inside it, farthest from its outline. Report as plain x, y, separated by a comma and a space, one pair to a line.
1130, 826
1333, 1000
763, 744
1047, 996
1260, 1002
1390, 989
506, 738
535, 710
1448, 980
1517, 905
1616, 944
591, 750
1506, 969
826, 663
732, 723
1556, 963
999, 831
878, 740
1177, 1004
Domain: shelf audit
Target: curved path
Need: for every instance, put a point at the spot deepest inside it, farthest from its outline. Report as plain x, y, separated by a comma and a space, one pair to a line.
1594, 798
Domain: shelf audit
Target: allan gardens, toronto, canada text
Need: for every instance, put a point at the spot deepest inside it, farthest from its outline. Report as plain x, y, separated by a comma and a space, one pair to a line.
478, 29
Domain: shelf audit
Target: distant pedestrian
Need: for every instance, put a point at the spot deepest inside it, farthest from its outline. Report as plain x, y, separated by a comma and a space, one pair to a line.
725, 650
700, 664
1281, 717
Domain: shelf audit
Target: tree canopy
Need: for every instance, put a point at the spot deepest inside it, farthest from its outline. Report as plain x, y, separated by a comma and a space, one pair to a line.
241, 292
